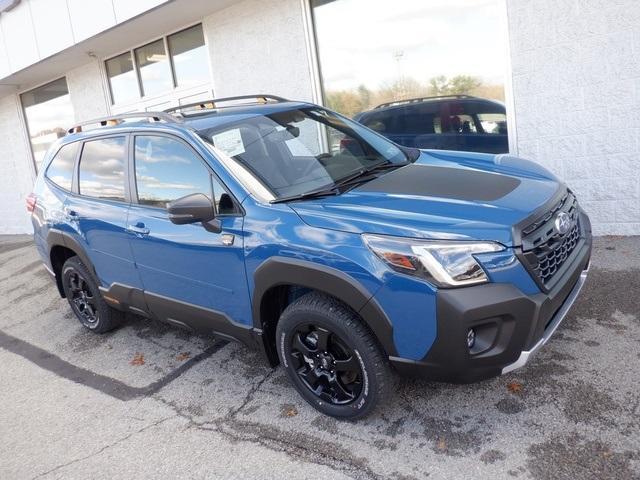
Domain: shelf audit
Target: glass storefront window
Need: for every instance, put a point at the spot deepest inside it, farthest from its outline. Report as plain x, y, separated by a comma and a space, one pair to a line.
48, 112
156, 72
122, 78
371, 54
153, 65
189, 57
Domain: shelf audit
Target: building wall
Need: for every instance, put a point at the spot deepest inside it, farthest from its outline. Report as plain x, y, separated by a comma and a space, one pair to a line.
255, 47
16, 167
576, 88
88, 94
18, 174
576, 85
259, 46
37, 29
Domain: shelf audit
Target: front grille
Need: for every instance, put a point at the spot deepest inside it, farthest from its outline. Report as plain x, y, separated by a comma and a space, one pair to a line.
546, 251
549, 258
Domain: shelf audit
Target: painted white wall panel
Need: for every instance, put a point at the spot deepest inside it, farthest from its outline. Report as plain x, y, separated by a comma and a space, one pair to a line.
125, 9
576, 85
51, 25
87, 93
17, 178
89, 18
259, 47
5, 68
19, 39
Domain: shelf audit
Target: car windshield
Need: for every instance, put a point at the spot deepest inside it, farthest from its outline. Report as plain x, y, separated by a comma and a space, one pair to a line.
294, 152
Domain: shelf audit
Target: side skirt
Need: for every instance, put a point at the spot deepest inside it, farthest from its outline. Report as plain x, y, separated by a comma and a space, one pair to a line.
181, 314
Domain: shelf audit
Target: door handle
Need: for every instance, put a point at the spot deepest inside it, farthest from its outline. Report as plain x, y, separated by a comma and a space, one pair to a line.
138, 229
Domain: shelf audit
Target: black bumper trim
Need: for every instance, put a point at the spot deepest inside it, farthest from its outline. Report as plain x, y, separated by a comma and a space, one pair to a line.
517, 322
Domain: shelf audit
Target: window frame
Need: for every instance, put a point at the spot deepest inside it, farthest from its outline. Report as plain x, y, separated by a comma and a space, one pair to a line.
173, 78
135, 72
76, 177
25, 122
133, 187
172, 84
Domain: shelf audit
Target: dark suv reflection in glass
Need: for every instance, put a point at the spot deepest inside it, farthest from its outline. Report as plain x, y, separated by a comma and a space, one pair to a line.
457, 122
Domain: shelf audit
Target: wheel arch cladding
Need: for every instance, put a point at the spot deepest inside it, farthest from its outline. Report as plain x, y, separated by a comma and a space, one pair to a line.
62, 247
275, 278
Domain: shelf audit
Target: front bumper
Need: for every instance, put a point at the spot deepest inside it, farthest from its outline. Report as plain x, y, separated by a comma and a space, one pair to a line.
510, 326
552, 326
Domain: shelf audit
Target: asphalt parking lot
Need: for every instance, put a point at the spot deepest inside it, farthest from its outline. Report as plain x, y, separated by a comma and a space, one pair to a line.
150, 401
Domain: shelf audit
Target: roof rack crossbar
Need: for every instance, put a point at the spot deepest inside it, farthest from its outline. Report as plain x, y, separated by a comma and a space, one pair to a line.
117, 119
420, 99
212, 103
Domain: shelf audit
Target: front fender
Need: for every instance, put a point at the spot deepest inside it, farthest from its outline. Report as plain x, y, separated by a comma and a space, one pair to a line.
277, 271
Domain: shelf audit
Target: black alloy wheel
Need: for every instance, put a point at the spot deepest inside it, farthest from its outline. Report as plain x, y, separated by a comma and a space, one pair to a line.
332, 358
326, 365
82, 298
83, 294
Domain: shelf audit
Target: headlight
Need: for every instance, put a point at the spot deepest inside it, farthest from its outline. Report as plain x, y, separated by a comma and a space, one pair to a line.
442, 262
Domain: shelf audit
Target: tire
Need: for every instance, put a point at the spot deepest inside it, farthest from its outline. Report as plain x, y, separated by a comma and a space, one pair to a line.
353, 377
85, 299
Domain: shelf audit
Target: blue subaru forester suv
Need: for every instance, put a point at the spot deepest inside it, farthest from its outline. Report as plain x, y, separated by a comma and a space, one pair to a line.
331, 249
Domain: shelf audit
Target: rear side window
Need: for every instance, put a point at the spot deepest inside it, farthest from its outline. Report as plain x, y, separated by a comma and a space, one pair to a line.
380, 122
493, 123
102, 164
60, 169
418, 118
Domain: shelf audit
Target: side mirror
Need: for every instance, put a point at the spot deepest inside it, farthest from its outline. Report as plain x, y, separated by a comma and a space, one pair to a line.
193, 208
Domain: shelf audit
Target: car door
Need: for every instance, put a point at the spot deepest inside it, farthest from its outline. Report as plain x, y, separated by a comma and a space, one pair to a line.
97, 211
192, 276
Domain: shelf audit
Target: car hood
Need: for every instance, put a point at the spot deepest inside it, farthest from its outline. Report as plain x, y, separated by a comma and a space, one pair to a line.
444, 195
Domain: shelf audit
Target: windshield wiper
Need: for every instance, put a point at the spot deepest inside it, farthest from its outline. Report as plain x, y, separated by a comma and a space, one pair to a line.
363, 174
349, 181
323, 192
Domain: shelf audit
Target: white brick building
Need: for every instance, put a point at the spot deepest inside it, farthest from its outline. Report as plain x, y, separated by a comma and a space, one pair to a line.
572, 79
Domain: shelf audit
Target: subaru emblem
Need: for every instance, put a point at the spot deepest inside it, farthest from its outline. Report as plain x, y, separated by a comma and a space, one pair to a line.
562, 223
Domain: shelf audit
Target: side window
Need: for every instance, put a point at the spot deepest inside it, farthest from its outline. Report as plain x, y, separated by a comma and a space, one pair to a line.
166, 169
380, 122
102, 164
417, 119
493, 123
60, 169
455, 124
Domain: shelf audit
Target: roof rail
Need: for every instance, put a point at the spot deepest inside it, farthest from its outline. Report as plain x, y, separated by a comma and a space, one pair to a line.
117, 119
212, 103
421, 99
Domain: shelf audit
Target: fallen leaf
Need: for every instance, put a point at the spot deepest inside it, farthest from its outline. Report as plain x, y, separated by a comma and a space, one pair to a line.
514, 387
442, 445
183, 356
138, 359
289, 411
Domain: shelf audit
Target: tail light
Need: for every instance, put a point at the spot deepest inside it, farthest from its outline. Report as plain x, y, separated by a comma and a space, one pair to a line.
31, 202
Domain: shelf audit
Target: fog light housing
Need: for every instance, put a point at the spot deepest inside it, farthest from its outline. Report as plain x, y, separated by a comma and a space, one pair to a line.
471, 338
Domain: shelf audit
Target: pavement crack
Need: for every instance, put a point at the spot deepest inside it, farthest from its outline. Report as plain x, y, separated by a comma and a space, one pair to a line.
106, 447
296, 445
251, 393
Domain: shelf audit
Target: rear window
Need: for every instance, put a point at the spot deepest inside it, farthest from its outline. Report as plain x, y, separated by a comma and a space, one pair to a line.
60, 169
102, 168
